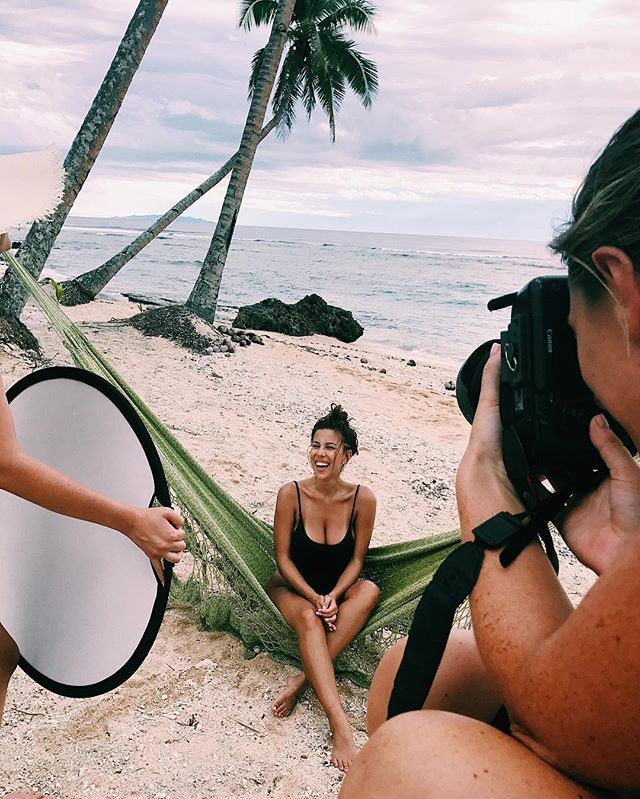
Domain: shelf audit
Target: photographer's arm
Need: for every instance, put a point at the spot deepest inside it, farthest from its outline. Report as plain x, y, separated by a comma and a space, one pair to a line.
548, 660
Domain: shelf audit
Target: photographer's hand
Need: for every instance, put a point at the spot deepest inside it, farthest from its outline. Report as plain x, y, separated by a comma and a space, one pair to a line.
482, 485
598, 528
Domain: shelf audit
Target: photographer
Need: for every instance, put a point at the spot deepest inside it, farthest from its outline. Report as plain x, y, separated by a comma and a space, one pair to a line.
568, 678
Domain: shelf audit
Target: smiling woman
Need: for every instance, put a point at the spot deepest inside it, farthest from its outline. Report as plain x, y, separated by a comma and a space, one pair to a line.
322, 530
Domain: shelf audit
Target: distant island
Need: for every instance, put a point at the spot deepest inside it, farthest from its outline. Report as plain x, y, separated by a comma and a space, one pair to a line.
184, 224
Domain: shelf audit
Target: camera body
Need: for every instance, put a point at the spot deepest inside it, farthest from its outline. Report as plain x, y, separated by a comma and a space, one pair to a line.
545, 405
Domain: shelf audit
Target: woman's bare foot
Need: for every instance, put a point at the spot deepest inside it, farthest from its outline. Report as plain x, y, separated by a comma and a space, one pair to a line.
287, 699
344, 748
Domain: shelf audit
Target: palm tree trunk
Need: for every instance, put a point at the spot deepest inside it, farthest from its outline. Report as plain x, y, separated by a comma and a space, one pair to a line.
85, 148
204, 295
86, 287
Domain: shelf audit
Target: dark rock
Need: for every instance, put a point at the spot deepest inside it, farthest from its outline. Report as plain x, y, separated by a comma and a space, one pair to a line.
382, 371
411, 362
304, 318
450, 385
363, 360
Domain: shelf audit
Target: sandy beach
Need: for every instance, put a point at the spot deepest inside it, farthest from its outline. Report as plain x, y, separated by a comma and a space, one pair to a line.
194, 722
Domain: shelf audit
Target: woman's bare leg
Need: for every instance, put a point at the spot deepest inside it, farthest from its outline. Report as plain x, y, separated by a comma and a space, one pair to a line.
316, 660
462, 684
436, 755
358, 605
9, 656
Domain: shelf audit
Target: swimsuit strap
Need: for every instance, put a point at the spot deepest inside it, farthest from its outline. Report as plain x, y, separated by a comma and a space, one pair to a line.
353, 509
295, 482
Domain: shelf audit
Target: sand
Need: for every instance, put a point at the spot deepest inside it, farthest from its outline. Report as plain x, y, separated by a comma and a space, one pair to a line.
194, 720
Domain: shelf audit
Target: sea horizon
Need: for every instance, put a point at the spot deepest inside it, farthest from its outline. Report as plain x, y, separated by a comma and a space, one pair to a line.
140, 222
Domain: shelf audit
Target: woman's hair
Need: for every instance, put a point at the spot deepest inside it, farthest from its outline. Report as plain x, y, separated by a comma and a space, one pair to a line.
605, 210
338, 419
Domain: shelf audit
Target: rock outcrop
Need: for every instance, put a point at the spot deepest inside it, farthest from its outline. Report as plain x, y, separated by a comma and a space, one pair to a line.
304, 318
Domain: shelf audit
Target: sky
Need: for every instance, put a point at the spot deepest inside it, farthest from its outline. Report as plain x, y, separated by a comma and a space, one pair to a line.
487, 118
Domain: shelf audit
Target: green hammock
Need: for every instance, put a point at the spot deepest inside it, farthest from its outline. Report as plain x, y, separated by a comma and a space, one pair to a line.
233, 550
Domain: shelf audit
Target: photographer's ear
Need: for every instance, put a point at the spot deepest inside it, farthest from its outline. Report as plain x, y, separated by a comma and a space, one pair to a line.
623, 281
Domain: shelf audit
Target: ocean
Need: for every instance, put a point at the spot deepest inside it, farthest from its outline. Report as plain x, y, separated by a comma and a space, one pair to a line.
415, 294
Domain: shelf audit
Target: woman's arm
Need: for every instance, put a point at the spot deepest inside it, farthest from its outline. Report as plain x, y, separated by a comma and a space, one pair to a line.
283, 523
364, 521
155, 530
569, 678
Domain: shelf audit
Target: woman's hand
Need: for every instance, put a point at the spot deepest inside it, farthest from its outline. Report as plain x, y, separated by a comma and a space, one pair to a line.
328, 611
602, 524
158, 532
482, 485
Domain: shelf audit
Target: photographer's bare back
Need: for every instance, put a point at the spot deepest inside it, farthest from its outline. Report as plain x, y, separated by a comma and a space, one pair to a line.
568, 677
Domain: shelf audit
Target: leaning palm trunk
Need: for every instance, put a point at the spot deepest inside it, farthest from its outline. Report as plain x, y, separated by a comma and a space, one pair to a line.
86, 287
204, 295
85, 148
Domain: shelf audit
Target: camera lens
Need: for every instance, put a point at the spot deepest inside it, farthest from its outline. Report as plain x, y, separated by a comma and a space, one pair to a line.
469, 379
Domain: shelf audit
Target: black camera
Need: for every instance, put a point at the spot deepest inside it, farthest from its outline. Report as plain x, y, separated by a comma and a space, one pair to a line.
545, 405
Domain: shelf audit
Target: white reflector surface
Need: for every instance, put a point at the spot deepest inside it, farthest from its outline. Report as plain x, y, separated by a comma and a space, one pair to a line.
77, 598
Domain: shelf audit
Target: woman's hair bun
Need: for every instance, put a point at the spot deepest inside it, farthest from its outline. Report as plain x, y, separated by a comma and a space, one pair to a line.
339, 412
338, 419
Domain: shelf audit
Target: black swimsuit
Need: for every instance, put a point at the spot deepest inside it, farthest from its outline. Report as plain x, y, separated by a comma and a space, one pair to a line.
321, 564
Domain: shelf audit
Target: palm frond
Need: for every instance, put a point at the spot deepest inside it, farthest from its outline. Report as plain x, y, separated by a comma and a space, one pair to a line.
256, 66
359, 71
288, 90
356, 15
308, 94
254, 13
330, 90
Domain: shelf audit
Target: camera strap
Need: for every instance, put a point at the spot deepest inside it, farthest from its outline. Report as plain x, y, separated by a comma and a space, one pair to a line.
451, 585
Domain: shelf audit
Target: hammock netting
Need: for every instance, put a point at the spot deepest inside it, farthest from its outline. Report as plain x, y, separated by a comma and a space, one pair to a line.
233, 550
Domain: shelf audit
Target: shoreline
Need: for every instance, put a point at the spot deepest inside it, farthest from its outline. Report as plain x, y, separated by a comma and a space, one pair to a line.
193, 722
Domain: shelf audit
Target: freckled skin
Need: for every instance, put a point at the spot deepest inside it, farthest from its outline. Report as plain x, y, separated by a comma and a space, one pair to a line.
569, 678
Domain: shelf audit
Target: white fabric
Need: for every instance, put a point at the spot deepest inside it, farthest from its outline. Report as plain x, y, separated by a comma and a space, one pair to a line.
31, 186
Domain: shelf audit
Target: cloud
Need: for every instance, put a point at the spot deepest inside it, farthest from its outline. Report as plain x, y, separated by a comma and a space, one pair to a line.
486, 104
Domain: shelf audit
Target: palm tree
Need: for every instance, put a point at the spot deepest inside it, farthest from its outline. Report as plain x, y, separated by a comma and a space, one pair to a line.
208, 282
319, 64
87, 286
85, 149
